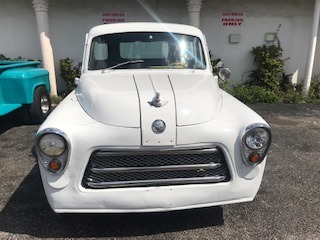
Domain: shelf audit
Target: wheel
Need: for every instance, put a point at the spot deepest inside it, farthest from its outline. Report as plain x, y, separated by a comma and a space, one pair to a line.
41, 106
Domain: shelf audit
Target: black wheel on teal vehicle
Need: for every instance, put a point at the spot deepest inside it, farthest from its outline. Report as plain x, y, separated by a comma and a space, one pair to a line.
41, 106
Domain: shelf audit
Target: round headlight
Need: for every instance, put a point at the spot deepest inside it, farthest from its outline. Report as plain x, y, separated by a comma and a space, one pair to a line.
257, 138
52, 145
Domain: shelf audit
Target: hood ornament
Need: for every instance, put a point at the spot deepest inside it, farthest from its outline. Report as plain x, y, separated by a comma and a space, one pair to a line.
156, 101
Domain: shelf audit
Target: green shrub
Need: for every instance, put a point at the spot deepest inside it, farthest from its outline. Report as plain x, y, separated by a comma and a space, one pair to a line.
292, 97
314, 90
269, 73
56, 99
254, 94
214, 62
270, 67
4, 58
269, 83
227, 86
68, 74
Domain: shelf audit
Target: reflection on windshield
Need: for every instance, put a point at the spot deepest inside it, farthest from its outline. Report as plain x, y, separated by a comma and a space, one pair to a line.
155, 50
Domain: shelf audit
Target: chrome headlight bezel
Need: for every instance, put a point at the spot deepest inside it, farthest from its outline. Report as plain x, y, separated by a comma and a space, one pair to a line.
256, 141
55, 162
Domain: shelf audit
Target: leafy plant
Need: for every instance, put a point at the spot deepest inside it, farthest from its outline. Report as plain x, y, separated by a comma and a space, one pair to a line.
214, 63
269, 83
254, 94
227, 86
314, 90
68, 73
56, 99
4, 58
269, 73
292, 97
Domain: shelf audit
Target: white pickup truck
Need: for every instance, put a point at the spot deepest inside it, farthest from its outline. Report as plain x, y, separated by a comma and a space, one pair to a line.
148, 129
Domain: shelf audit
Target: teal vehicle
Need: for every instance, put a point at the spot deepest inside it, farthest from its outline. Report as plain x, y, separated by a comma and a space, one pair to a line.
25, 86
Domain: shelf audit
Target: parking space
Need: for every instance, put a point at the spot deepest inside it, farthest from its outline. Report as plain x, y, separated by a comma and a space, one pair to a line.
286, 207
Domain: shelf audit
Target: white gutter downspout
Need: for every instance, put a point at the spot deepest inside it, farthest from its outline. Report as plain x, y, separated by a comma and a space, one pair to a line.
194, 8
312, 49
41, 8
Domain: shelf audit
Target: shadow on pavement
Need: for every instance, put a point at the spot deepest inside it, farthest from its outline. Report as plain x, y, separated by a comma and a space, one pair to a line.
27, 212
9, 121
16, 118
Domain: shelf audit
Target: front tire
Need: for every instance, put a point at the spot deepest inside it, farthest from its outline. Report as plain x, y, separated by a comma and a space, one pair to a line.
41, 106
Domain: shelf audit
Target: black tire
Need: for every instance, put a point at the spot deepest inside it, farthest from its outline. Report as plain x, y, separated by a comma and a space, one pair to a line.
41, 106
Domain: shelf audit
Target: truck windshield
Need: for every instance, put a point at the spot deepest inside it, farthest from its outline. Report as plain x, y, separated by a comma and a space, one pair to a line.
146, 50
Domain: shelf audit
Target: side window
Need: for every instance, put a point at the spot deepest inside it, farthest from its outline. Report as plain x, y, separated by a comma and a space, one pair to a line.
99, 55
100, 51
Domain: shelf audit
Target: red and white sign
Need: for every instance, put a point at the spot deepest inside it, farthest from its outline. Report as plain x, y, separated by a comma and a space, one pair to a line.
234, 19
113, 17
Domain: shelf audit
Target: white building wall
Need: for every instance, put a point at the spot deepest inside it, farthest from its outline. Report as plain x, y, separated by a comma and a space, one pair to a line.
18, 30
70, 20
261, 17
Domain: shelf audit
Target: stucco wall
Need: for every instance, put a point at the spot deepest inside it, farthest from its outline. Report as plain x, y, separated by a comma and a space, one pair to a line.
70, 20
261, 17
18, 30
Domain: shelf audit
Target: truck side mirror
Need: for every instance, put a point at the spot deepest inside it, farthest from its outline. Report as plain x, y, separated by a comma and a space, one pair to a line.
76, 81
224, 74
220, 70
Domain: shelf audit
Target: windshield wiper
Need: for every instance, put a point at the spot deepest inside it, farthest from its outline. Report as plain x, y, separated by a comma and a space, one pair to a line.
122, 64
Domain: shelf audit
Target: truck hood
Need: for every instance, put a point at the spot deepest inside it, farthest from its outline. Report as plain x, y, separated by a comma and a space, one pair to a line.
125, 100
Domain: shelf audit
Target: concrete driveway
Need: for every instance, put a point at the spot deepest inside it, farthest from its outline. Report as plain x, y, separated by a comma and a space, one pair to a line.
286, 207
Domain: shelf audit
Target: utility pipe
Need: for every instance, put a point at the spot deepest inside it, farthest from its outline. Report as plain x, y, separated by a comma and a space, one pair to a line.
312, 48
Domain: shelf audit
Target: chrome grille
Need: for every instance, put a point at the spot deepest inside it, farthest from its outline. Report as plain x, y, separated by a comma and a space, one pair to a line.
112, 169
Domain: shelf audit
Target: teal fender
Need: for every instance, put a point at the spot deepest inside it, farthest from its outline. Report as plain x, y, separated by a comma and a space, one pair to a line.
18, 80
18, 84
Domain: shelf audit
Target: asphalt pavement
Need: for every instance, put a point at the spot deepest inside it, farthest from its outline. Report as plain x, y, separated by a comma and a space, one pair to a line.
287, 205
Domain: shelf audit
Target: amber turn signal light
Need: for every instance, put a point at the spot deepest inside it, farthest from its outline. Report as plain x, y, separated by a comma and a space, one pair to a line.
255, 157
54, 165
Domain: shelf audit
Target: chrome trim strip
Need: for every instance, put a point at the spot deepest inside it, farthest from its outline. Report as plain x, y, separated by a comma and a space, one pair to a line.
144, 183
162, 151
156, 169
